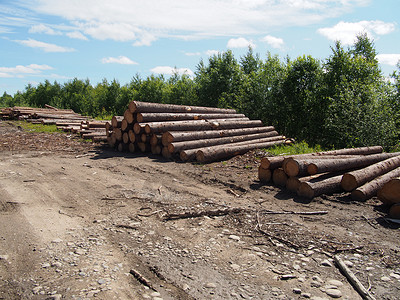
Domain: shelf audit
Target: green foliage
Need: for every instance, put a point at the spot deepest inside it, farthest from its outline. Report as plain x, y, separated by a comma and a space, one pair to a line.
37, 127
343, 101
292, 149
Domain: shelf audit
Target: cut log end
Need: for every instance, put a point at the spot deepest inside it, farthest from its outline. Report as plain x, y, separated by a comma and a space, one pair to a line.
292, 184
305, 190
312, 169
358, 195
291, 168
349, 182
394, 211
200, 156
264, 175
279, 177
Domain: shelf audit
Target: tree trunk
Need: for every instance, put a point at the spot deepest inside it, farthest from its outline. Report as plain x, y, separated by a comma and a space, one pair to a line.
354, 179
279, 177
116, 121
332, 165
179, 146
161, 127
178, 136
371, 188
157, 117
264, 175
325, 186
394, 211
148, 107
390, 192
217, 153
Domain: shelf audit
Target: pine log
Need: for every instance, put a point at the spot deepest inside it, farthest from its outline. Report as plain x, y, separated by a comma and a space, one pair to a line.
325, 186
339, 164
190, 154
125, 138
131, 147
390, 192
264, 175
129, 117
118, 133
179, 146
108, 126
124, 124
99, 138
279, 177
354, 179
122, 147
161, 127
370, 189
156, 149
143, 147
96, 124
112, 140
144, 107
394, 211
132, 136
138, 128
165, 153
89, 135
155, 139
116, 121
157, 117
178, 136
144, 137
58, 116
218, 153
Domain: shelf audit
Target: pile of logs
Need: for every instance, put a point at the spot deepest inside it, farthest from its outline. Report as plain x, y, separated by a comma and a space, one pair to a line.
65, 119
365, 172
189, 132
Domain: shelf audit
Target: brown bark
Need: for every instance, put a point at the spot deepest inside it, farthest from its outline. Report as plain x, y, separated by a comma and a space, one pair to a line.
99, 138
264, 175
217, 153
325, 186
178, 136
161, 127
157, 117
142, 107
390, 192
354, 179
96, 124
279, 177
116, 121
179, 146
371, 188
332, 165
394, 211
58, 116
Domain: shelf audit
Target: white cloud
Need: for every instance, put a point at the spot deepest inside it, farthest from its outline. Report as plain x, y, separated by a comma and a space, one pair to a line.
46, 47
273, 41
170, 70
388, 59
21, 71
77, 35
41, 28
212, 52
346, 32
240, 43
143, 22
123, 60
192, 53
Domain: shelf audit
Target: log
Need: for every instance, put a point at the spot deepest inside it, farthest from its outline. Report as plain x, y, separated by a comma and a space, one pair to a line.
394, 211
99, 138
125, 138
156, 149
178, 136
122, 147
325, 186
293, 183
157, 117
218, 153
96, 124
332, 165
390, 192
112, 140
59, 116
138, 128
131, 147
179, 146
354, 179
161, 127
144, 137
124, 125
155, 139
118, 133
370, 189
129, 117
116, 121
279, 177
143, 147
165, 153
142, 107
132, 136
264, 175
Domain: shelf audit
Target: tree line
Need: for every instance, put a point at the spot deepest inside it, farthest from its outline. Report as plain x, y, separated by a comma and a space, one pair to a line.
343, 101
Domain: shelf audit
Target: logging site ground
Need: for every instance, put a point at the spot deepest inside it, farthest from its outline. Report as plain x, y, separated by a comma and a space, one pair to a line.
79, 221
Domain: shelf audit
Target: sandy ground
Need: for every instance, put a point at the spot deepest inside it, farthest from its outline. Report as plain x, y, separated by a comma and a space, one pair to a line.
81, 221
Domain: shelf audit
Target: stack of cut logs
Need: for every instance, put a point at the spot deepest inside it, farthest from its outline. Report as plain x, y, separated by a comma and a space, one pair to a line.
65, 119
190, 132
365, 172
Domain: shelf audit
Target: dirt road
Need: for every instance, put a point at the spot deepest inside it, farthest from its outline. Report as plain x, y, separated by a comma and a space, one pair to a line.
79, 221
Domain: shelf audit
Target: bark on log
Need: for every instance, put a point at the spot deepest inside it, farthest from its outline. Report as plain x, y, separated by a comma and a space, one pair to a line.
215, 124
142, 107
394, 211
264, 175
178, 136
58, 116
179, 146
99, 138
325, 186
116, 121
339, 164
96, 124
390, 192
279, 177
371, 188
157, 117
217, 153
354, 179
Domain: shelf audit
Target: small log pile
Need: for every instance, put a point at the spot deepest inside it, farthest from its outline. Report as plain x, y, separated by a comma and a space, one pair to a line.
65, 119
364, 172
189, 132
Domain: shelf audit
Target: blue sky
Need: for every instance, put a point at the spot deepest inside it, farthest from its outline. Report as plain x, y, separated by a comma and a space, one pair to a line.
97, 39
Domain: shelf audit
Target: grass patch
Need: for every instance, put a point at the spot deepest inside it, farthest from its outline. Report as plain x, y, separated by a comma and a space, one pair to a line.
296, 148
37, 127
